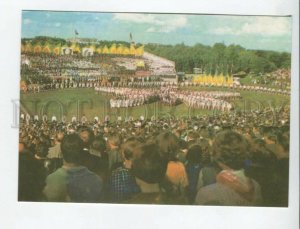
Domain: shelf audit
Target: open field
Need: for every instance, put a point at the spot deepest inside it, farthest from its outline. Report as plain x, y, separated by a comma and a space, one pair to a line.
86, 101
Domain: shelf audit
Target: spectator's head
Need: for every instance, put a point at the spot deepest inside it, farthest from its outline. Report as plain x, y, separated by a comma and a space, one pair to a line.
42, 150
98, 146
59, 136
168, 145
148, 165
193, 136
86, 137
71, 148
270, 135
128, 151
21, 147
128, 148
114, 140
231, 149
283, 141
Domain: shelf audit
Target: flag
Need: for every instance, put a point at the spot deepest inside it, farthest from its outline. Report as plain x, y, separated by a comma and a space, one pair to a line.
76, 32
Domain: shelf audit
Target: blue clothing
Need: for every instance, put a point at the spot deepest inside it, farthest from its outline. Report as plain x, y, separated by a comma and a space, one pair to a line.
193, 175
83, 185
76, 184
122, 185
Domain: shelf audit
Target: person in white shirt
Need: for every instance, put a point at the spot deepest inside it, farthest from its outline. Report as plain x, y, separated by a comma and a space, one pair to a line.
83, 119
36, 118
45, 118
27, 118
73, 118
53, 119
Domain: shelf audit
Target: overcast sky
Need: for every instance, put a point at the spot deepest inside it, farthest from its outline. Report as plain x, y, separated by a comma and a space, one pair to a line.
251, 32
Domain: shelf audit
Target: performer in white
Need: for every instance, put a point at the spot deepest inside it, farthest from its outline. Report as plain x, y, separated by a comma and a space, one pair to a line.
45, 118
83, 119
36, 118
53, 119
27, 119
73, 118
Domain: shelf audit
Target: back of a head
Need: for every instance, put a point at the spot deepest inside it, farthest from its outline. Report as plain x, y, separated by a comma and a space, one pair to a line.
86, 136
114, 139
42, 150
99, 144
194, 154
71, 148
128, 148
168, 144
230, 148
193, 136
148, 165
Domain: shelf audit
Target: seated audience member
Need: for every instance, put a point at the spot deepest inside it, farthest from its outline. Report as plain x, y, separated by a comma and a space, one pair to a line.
232, 187
149, 169
73, 182
122, 185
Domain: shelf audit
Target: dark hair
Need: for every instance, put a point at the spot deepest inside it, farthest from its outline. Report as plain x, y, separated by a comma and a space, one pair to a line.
283, 140
99, 144
115, 139
71, 148
148, 165
231, 148
42, 150
168, 144
194, 154
193, 135
86, 141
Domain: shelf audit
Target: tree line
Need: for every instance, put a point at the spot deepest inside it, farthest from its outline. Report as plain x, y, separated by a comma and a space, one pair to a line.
221, 59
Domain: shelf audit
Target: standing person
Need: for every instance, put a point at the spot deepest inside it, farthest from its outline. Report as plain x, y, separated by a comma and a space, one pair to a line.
114, 156
149, 169
32, 174
73, 119
73, 182
54, 152
176, 175
45, 118
193, 167
27, 119
232, 187
83, 119
122, 184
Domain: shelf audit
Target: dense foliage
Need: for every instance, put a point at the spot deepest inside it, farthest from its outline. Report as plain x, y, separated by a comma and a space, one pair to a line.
221, 58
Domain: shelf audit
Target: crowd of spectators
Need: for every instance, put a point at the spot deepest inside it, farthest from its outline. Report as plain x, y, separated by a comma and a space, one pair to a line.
232, 159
